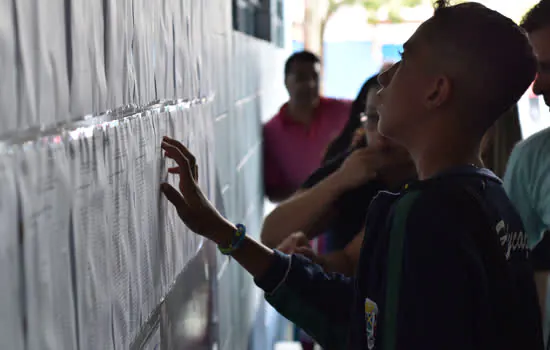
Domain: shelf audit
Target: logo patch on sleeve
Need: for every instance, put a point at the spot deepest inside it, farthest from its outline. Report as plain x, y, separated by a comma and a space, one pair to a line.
371, 315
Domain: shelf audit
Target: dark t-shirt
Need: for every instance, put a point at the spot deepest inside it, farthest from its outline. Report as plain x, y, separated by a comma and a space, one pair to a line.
442, 262
446, 297
352, 206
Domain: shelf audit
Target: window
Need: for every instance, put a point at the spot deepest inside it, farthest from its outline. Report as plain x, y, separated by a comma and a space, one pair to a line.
262, 19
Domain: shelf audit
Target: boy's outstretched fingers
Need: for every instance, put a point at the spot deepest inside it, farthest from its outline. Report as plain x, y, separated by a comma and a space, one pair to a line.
184, 171
193, 207
172, 195
176, 170
170, 144
176, 199
181, 148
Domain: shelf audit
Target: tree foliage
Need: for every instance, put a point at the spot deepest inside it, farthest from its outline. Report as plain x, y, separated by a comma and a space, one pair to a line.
372, 7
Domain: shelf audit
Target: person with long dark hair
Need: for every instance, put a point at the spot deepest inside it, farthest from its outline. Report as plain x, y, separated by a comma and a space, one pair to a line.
340, 209
343, 142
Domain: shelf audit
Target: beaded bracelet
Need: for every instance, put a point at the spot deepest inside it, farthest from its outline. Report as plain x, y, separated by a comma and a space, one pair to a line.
236, 241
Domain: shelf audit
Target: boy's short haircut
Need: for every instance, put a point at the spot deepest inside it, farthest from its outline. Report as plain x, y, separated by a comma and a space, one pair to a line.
537, 18
486, 54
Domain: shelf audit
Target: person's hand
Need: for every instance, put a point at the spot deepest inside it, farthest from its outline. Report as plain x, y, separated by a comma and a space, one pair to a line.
370, 163
358, 137
193, 207
359, 167
295, 240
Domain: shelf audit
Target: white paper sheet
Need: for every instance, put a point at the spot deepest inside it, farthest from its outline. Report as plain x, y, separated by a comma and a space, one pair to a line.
26, 37
52, 79
130, 75
159, 42
46, 201
118, 214
115, 21
97, 54
91, 241
11, 302
142, 49
180, 51
82, 74
195, 46
145, 189
8, 69
128, 143
138, 50
168, 37
88, 84
188, 64
168, 216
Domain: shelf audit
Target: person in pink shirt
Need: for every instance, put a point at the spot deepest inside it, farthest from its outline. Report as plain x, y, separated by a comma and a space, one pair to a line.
295, 139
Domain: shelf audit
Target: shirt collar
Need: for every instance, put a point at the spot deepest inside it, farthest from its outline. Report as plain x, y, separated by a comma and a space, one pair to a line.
458, 171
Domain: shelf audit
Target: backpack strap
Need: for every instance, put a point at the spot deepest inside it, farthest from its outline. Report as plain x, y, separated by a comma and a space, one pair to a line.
395, 264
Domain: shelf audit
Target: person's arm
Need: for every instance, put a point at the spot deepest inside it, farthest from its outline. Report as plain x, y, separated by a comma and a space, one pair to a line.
311, 210
317, 302
308, 211
345, 261
295, 286
278, 194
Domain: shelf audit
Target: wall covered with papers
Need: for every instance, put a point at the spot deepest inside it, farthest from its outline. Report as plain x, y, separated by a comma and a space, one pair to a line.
91, 255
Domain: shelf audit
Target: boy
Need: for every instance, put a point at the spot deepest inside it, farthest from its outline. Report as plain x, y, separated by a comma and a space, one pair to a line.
468, 65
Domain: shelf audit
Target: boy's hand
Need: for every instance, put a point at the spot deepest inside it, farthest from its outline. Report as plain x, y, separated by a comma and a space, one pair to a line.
193, 207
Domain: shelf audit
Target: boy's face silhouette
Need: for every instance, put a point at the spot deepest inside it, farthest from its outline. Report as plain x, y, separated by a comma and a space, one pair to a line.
411, 90
540, 40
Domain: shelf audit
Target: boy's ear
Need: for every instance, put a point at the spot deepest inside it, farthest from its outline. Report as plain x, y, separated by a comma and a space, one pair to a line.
439, 93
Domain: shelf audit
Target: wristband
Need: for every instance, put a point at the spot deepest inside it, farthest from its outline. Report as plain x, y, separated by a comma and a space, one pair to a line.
236, 240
